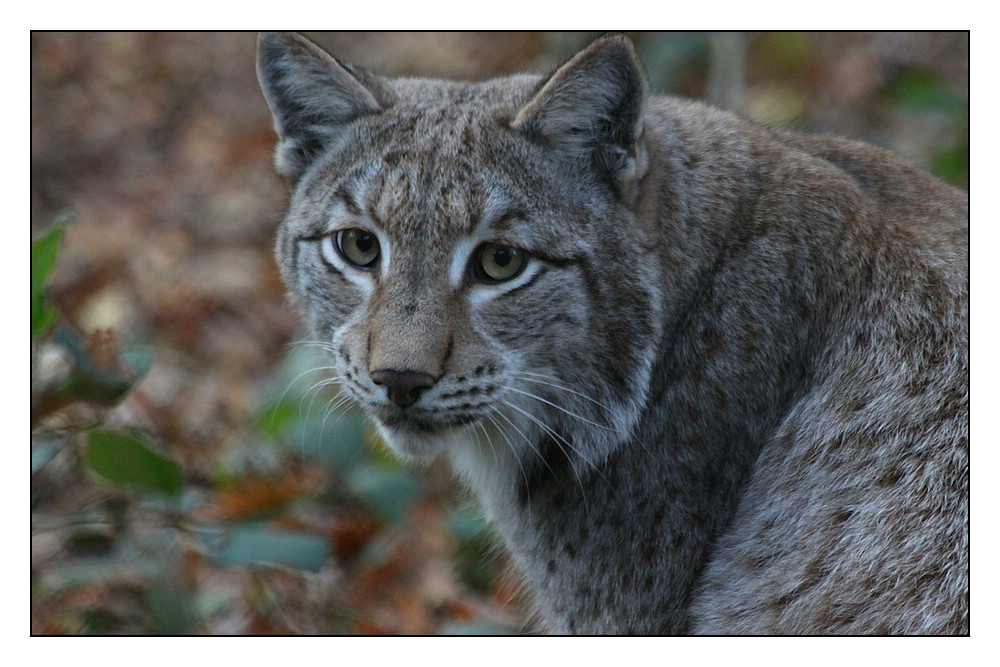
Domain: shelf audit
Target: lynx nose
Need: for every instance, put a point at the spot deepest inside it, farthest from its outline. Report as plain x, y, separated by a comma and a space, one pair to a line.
404, 387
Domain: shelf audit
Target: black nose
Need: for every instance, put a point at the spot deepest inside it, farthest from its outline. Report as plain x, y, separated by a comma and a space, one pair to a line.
404, 387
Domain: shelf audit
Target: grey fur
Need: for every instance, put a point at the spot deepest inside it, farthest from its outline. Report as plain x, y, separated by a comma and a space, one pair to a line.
727, 394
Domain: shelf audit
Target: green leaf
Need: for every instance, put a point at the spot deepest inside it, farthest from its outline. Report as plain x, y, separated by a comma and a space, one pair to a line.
387, 491
126, 460
43, 255
88, 382
43, 260
260, 545
42, 316
920, 89
952, 163
172, 609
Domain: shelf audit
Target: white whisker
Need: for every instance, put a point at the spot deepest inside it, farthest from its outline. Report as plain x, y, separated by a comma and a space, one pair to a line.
560, 441
477, 426
560, 408
520, 463
527, 440
294, 381
549, 381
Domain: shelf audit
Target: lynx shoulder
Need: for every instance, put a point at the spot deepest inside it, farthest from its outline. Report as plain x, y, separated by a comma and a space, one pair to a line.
704, 376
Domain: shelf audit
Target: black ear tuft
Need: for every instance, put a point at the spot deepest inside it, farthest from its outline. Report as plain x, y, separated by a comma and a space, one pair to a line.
591, 109
311, 97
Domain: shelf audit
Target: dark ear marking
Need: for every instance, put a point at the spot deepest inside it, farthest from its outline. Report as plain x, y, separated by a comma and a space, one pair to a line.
312, 97
591, 110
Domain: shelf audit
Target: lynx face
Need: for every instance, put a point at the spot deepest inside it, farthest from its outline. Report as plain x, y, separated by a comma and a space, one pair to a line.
474, 269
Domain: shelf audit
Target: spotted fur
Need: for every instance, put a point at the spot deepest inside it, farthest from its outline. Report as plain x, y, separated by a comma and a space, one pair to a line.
728, 391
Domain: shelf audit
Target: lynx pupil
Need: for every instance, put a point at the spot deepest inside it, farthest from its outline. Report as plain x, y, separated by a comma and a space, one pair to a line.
498, 262
358, 247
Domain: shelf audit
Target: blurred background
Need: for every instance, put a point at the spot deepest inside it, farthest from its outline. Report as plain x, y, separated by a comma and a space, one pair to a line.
191, 473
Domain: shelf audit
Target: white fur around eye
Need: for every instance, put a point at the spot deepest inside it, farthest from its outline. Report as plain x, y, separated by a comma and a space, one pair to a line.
460, 260
465, 252
328, 247
360, 277
482, 292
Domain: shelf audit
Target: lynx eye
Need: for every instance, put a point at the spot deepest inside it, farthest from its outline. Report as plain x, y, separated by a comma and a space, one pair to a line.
495, 263
358, 247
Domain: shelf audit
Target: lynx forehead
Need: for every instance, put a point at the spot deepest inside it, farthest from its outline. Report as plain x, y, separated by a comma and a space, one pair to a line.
704, 376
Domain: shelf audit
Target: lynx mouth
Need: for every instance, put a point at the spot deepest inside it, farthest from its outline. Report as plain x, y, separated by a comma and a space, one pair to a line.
423, 422
422, 435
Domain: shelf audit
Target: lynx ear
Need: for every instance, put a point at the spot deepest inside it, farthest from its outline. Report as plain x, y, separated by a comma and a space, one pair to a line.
311, 96
591, 109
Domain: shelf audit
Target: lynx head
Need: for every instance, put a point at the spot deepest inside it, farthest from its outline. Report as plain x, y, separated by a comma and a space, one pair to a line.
469, 253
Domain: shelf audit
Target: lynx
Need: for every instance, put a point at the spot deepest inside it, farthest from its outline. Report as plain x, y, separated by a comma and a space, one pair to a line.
704, 376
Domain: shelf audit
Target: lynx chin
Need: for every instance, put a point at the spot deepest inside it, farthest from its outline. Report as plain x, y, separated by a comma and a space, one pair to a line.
704, 376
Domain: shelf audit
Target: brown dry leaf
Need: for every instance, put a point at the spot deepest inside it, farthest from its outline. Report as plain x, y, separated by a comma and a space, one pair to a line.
254, 494
460, 609
350, 533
